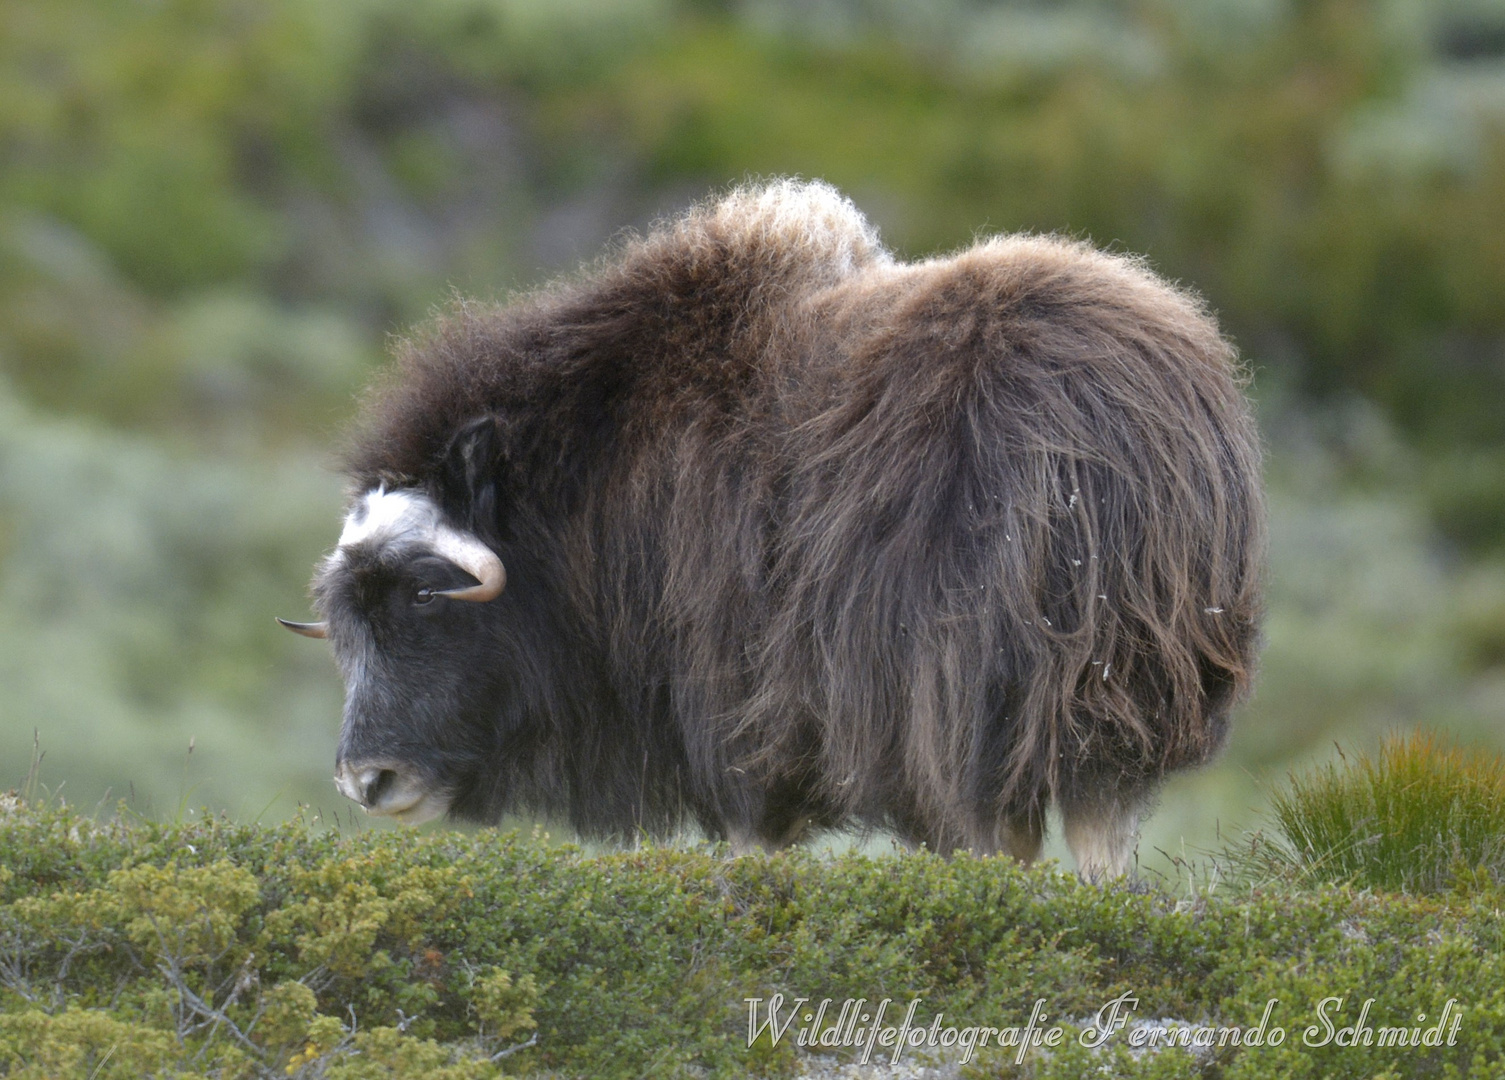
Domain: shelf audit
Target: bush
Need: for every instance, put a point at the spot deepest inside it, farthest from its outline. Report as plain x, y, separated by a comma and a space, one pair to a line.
132, 949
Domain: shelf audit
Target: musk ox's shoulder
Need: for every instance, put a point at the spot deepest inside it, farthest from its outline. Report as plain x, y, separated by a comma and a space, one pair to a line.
679, 318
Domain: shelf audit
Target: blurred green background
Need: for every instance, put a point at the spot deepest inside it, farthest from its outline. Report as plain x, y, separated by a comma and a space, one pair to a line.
214, 212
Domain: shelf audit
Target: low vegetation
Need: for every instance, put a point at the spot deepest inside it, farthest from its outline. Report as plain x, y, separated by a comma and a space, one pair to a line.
205, 948
1419, 816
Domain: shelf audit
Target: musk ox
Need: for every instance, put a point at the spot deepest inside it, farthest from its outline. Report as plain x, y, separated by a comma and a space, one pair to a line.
798, 535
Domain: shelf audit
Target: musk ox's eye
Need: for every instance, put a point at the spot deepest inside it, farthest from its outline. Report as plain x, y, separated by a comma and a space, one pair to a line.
423, 596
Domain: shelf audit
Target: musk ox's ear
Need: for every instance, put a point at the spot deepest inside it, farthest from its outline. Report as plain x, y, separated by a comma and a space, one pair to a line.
470, 473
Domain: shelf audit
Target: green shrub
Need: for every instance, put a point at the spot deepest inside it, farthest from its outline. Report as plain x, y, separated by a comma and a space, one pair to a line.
1420, 816
218, 950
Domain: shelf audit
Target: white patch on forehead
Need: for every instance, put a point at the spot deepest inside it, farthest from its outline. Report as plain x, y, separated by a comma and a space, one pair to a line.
387, 517
405, 520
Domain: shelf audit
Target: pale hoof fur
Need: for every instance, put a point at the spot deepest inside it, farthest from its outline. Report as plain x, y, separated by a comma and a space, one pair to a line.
1102, 835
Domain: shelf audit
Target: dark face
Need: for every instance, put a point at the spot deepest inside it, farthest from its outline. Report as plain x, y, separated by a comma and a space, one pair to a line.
416, 638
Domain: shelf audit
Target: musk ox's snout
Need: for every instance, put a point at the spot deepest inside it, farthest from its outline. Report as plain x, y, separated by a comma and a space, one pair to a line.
387, 789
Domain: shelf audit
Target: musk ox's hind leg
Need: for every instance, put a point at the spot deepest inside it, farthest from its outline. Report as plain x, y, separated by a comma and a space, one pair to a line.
787, 812
1019, 833
744, 841
1102, 828
1021, 837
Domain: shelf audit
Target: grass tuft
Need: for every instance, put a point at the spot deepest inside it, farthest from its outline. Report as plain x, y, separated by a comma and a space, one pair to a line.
1421, 816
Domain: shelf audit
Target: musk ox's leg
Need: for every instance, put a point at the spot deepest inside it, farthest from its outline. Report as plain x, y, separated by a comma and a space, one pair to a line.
916, 829
1102, 828
1021, 837
779, 815
794, 831
1018, 837
746, 841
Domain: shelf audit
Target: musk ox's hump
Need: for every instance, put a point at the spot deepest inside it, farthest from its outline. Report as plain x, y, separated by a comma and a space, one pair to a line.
691, 302
782, 233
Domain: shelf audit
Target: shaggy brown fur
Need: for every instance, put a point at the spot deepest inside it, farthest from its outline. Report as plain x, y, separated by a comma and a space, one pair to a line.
798, 534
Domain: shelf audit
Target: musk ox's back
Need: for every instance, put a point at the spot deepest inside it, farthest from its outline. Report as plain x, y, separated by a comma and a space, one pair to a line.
800, 534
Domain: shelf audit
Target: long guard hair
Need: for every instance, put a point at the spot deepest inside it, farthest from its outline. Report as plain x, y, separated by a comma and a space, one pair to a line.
800, 534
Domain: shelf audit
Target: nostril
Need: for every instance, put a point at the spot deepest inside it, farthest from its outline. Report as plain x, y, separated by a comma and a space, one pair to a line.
376, 786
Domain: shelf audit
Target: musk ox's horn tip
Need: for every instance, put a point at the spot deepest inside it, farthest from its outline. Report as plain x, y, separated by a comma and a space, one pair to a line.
307, 629
490, 588
480, 562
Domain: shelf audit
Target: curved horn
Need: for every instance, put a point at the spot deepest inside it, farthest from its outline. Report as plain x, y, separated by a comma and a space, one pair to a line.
477, 560
307, 629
